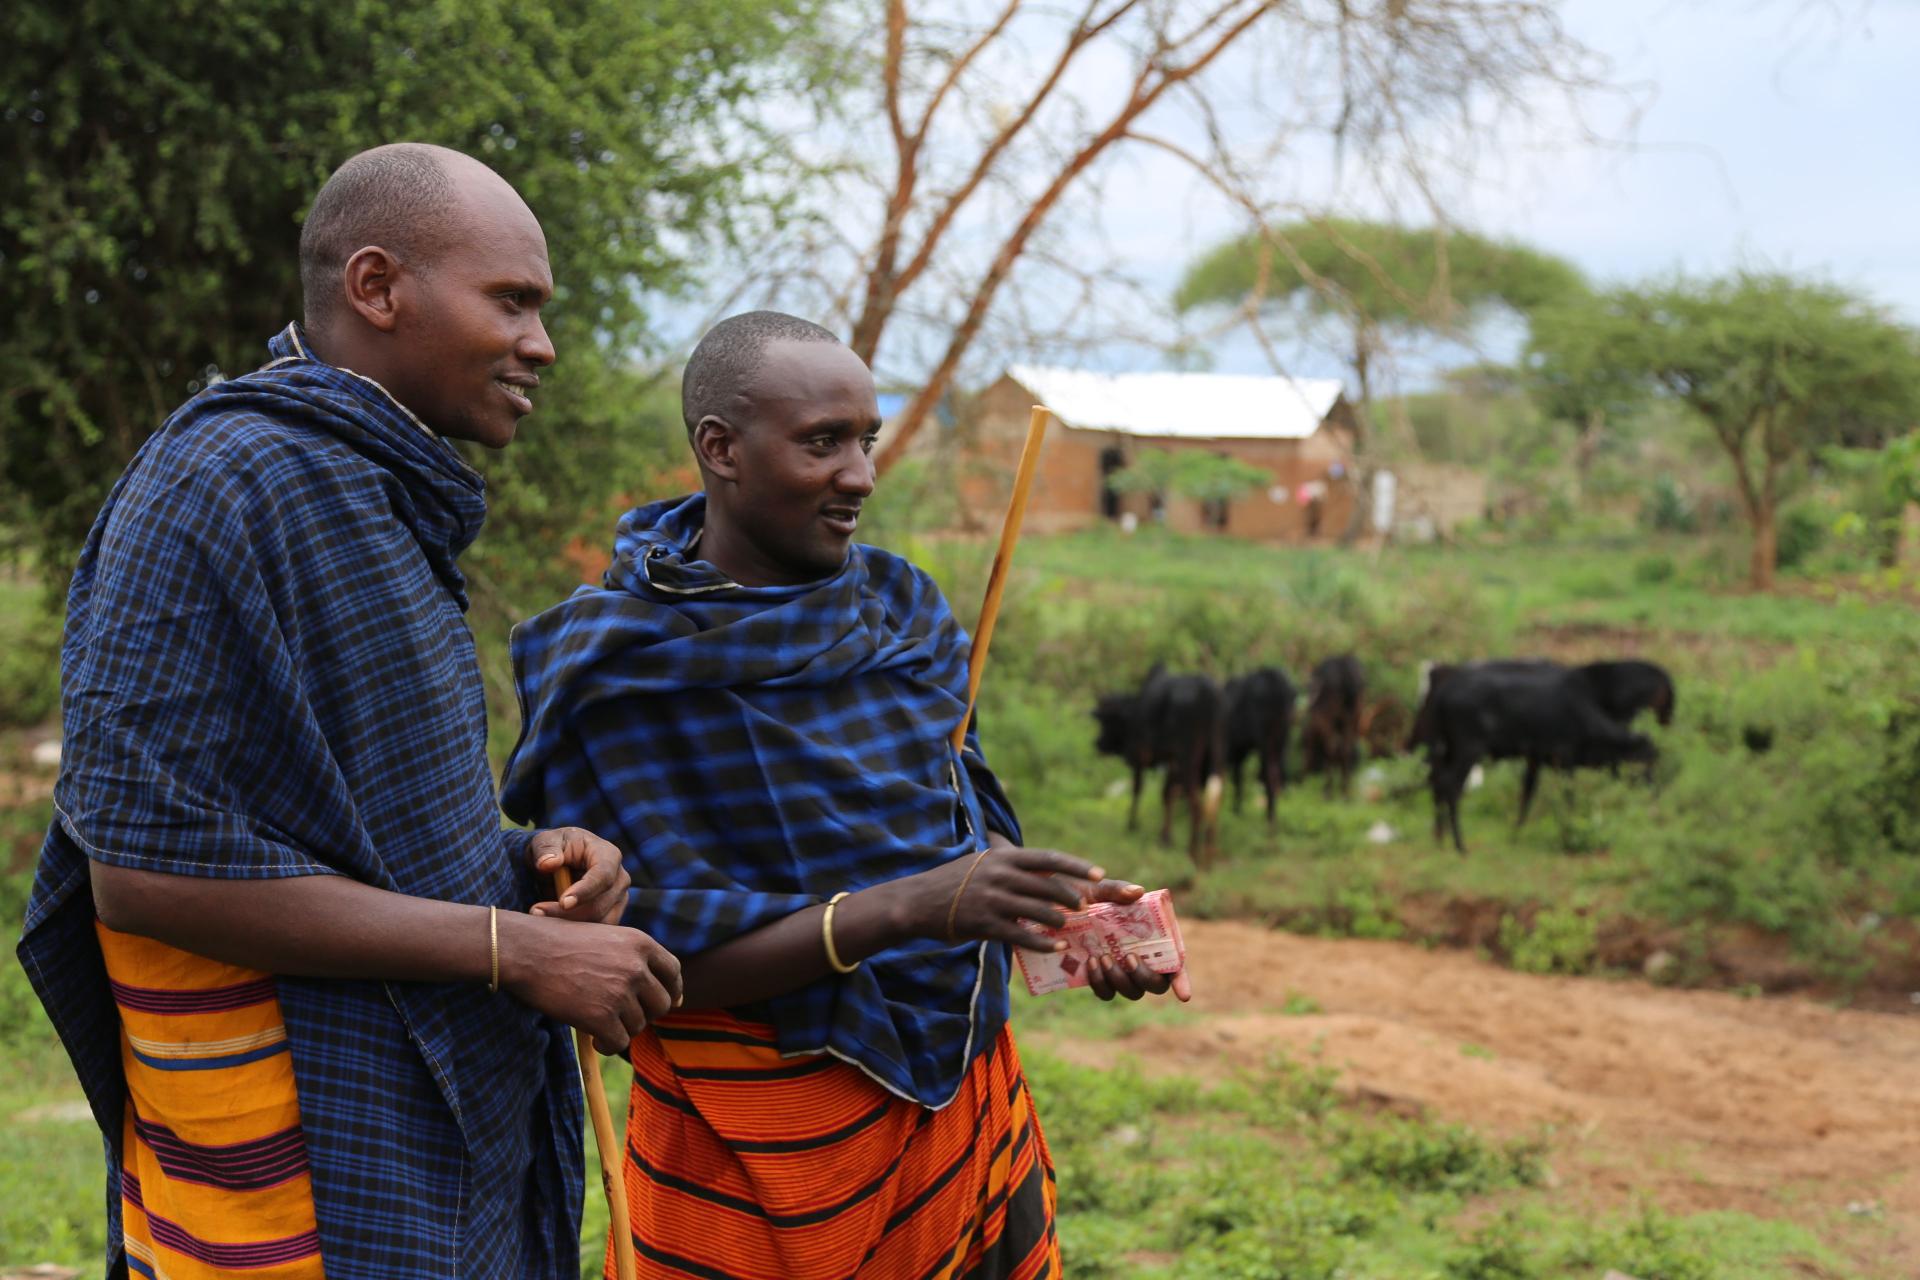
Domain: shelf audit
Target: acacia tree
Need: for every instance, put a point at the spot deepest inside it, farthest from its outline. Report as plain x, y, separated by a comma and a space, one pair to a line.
1376, 283
1774, 366
158, 157
998, 122
1571, 374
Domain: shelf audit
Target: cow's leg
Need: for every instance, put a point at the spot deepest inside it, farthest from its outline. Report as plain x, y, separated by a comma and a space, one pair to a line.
1197, 824
1528, 781
1273, 774
1133, 810
1449, 773
1166, 803
1239, 770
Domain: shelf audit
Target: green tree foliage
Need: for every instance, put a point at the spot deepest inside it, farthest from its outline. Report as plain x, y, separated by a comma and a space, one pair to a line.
1149, 471
1774, 365
1570, 375
1203, 477
1379, 282
158, 158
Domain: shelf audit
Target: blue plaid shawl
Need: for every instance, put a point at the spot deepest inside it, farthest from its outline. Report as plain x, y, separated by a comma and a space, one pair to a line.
756, 750
267, 672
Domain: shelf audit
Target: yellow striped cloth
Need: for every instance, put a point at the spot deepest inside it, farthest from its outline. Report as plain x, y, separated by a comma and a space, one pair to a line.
213, 1181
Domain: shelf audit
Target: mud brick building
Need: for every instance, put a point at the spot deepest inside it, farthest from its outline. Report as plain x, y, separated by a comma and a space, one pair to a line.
1298, 431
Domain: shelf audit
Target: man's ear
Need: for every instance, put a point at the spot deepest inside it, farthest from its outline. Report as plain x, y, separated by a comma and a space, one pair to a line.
716, 445
371, 277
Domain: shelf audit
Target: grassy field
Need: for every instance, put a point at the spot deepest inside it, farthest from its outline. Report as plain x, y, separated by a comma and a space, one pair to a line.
1792, 868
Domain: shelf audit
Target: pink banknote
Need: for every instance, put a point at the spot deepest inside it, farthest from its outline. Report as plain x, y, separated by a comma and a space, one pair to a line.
1145, 930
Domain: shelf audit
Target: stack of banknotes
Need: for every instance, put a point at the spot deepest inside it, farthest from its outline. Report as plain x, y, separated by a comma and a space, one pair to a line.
1145, 930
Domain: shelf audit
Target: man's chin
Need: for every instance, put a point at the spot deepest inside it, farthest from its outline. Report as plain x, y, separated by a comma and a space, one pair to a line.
829, 559
488, 435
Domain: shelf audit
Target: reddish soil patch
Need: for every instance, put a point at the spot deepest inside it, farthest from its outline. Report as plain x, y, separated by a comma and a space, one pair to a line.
1696, 1100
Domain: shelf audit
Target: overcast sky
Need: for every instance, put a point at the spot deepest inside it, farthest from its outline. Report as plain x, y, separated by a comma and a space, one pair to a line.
1775, 134
1771, 133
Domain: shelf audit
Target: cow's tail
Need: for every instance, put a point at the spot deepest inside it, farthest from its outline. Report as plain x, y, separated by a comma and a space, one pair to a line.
1210, 798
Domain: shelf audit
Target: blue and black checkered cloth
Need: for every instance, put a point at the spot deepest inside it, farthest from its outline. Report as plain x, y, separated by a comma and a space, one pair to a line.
267, 673
756, 750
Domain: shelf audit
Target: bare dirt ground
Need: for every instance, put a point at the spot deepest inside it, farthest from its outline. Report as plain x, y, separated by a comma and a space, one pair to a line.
1693, 1100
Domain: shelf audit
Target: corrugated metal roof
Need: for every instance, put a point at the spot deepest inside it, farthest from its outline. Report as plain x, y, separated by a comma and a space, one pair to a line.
1206, 406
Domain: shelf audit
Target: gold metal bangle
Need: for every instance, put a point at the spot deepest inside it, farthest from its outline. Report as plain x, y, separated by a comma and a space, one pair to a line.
826, 936
493, 943
953, 908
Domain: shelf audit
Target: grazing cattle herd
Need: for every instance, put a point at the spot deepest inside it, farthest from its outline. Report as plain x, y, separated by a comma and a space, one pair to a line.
1541, 713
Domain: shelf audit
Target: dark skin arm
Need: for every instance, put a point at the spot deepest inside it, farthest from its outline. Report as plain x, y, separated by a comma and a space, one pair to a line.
568, 960
1009, 885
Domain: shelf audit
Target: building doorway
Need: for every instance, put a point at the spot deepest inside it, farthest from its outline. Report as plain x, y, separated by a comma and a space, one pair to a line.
1112, 458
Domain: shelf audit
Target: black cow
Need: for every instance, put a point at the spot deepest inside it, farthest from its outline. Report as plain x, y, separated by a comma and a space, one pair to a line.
1624, 689
1331, 739
1541, 713
1259, 720
1175, 722
1423, 733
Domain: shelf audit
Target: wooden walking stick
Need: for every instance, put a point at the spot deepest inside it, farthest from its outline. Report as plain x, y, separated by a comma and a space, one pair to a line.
612, 1152
996, 585
1002, 562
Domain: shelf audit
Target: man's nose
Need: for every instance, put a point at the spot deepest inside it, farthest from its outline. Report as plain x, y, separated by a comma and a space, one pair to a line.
856, 478
535, 347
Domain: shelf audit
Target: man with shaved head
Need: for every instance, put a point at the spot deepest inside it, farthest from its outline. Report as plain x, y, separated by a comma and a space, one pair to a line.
761, 711
316, 995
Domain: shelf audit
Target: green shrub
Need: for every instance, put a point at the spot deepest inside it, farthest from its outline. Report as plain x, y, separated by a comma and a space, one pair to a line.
1654, 569
1499, 1250
1648, 1247
1800, 531
1419, 1157
1562, 940
1892, 794
1668, 509
29, 670
22, 1021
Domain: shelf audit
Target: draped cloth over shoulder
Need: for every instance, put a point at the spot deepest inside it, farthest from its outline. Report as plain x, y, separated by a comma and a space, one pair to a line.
757, 750
267, 673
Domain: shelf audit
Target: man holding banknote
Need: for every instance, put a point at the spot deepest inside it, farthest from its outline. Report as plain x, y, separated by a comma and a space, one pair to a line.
759, 712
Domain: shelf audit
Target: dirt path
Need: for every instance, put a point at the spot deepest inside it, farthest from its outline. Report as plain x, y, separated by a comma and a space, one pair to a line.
1698, 1100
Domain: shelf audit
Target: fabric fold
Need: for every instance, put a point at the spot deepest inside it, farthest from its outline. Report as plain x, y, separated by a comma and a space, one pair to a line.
756, 750
267, 673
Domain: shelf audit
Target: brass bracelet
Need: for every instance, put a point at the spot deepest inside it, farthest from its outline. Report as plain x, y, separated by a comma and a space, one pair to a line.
493, 943
953, 908
826, 936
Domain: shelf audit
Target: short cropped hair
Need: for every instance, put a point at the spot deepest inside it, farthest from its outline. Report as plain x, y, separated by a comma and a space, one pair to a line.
400, 197
729, 356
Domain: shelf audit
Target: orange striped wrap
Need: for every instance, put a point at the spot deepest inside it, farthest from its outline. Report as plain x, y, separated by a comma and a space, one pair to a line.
745, 1165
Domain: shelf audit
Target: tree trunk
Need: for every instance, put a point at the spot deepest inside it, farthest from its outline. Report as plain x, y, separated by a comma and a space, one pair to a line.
1766, 548
1358, 475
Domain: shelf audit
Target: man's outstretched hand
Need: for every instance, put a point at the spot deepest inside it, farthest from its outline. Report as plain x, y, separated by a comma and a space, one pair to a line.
1127, 978
600, 881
